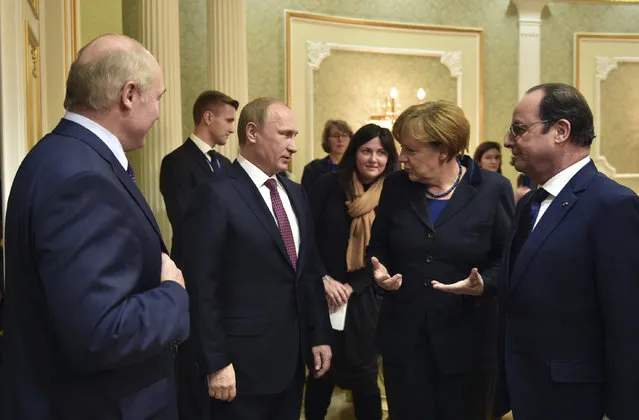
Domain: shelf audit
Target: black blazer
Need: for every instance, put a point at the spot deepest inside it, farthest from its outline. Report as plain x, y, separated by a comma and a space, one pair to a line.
314, 170
181, 172
249, 306
569, 305
470, 232
89, 327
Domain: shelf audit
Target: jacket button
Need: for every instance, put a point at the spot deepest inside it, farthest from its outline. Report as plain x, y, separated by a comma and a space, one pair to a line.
429, 259
430, 235
427, 283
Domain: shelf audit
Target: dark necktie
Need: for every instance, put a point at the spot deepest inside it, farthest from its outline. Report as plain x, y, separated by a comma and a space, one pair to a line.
129, 170
526, 223
282, 221
215, 161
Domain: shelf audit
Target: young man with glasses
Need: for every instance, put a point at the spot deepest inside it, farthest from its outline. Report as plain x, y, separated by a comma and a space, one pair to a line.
570, 344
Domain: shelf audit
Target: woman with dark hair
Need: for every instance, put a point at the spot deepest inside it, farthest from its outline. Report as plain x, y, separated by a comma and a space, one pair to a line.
436, 248
343, 208
488, 156
335, 138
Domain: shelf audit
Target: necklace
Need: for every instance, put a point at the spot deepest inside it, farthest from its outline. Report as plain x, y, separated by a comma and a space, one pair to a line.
445, 193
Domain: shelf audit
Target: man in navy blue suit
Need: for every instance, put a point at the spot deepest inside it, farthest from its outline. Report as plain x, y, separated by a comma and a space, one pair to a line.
569, 286
94, 306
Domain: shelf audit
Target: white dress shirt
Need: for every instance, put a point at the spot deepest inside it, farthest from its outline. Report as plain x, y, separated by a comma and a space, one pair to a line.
205, 148
103, 134
557, 183
259, 178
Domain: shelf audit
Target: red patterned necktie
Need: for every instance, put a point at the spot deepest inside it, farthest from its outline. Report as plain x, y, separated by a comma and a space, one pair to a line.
282, 221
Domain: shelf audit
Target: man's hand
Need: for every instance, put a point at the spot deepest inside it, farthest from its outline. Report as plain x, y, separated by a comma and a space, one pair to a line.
473, 285
321, 360
170, 272
383, 279
222, 384
336, 292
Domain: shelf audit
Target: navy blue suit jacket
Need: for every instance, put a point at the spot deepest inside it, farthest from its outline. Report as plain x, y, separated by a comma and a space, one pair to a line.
88, 326
249, 306
570, 336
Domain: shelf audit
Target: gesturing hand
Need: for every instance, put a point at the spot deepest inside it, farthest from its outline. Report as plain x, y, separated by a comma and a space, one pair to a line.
383, 279
222, 384
473, 285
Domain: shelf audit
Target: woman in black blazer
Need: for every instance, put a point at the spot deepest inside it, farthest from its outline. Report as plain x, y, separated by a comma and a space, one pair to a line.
335, 139
440, 229
343, 208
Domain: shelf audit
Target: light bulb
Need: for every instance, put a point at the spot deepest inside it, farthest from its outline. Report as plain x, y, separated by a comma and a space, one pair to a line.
421, 94
393, 93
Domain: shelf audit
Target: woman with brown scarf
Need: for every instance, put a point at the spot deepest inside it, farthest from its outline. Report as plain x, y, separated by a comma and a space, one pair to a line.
343, 207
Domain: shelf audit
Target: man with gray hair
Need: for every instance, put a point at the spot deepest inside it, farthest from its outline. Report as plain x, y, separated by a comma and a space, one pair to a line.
94, 306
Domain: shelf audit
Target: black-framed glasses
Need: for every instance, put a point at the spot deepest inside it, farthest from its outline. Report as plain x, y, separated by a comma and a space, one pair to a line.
518, 129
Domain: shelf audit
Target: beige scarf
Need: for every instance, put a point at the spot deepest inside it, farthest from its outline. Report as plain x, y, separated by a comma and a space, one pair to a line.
361, 209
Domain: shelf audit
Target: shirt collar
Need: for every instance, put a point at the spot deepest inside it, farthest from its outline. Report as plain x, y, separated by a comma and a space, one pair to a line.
102, 133
256, 174
201, 144
557, 183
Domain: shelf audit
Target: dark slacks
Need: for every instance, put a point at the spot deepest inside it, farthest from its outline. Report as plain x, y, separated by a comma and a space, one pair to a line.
416, 385
192, 389
285, 405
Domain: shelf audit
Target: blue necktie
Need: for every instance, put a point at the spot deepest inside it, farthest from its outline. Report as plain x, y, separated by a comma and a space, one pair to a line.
129, 170
526, 223
215, 162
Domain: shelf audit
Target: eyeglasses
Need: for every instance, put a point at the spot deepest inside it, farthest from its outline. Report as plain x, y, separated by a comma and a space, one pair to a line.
342, 136
518, 129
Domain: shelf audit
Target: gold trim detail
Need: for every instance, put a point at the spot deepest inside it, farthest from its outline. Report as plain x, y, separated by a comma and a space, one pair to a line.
34, 4
579, 36
33, 80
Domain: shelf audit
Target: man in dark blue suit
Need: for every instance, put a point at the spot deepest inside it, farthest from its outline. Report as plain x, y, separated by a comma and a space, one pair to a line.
569, 286
258, 306
94, 305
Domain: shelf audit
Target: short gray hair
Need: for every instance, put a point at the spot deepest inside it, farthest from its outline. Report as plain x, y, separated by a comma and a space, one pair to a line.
96, 84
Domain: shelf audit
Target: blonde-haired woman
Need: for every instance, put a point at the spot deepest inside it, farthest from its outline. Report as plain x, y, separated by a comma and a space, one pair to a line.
439, 232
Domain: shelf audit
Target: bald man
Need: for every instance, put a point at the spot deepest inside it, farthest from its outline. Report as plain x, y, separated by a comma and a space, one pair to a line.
94, 307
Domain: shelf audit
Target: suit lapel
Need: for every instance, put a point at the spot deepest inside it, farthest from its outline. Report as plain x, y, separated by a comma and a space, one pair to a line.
251, 195
72, 129
462, 195
521, 205
418, 203
556, 212
196, 154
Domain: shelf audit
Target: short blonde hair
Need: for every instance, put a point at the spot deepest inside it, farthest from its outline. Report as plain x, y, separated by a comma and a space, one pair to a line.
439, 122
255, 112
96, 84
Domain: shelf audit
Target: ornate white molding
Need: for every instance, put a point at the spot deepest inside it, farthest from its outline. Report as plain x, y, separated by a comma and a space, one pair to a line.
316, 52
453, 61
604, 66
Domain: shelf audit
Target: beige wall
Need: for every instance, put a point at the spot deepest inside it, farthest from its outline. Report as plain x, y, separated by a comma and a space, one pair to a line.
99, 17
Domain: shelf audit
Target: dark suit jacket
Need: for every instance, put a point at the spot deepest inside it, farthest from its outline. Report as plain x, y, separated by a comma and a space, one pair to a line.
181, 172
314, 170
89, 327
249, 306
470, 232
569, 306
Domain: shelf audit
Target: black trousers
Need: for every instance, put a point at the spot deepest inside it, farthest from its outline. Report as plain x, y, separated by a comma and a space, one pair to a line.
192, 389
416, 385
286, 405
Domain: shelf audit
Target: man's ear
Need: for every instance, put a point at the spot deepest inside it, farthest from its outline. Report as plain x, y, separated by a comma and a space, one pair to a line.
129, 90
251, 132
563, 129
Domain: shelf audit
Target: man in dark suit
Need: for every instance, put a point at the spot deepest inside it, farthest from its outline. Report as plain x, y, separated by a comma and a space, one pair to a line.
195, 161
568, 290
258, 303
94, 306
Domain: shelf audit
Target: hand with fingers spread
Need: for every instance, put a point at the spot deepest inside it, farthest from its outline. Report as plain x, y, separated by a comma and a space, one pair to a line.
321, 360
473, 285
222, 384
383, 279
336, 292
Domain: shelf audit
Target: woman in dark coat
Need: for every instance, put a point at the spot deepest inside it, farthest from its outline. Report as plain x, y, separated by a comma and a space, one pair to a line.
439, 231
335, 138
343, 207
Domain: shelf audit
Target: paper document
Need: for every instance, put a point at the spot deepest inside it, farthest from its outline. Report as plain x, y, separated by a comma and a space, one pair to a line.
339, 317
